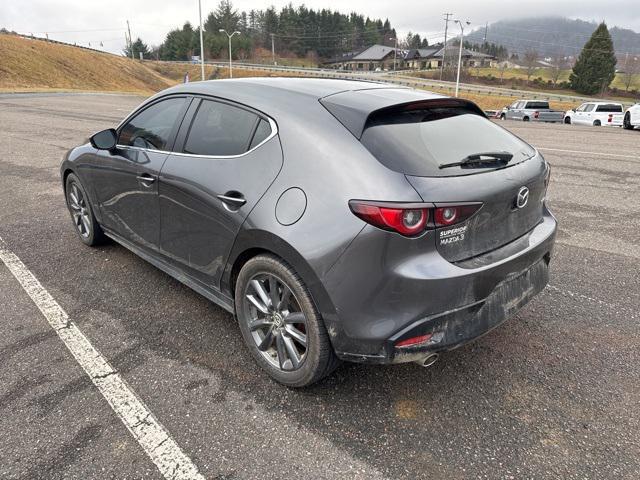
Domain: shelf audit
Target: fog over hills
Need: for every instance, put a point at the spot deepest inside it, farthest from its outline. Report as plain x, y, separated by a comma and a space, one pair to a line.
552, 35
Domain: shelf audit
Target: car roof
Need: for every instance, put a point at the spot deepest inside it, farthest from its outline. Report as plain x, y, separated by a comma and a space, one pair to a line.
313, 87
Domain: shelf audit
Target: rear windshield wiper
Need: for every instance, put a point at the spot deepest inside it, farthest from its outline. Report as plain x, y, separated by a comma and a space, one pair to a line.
488, 159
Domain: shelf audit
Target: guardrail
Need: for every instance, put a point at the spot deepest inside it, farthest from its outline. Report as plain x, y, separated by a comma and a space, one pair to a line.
410, 81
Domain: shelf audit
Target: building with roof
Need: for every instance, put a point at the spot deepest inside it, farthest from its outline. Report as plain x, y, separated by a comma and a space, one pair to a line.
375, 57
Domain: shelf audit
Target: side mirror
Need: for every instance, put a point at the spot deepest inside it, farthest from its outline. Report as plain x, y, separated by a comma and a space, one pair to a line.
104, 140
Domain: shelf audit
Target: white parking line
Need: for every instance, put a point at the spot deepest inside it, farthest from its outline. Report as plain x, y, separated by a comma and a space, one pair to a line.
589, 153
150, 434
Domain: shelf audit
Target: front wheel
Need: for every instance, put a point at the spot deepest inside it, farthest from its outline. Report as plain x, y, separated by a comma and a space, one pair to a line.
280, 324
84, 221
626, 123
503, 117
567, 120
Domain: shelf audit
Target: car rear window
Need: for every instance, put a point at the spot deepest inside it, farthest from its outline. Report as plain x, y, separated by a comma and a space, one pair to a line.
539, 105
417, 142
612, 108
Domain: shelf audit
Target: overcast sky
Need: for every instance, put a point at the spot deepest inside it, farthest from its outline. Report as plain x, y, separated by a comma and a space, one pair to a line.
84, 21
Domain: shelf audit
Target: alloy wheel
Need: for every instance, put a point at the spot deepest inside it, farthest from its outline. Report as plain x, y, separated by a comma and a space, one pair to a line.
276, 323
79, 211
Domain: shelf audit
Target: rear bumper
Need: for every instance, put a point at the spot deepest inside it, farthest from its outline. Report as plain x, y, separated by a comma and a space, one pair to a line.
454, 303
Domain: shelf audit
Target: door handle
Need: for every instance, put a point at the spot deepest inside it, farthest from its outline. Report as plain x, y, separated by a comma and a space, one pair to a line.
233, 199
146, 178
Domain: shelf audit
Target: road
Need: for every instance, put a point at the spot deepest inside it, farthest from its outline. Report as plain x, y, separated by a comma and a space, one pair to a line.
552, 393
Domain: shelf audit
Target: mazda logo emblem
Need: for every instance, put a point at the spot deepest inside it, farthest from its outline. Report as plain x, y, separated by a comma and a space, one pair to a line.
523, 197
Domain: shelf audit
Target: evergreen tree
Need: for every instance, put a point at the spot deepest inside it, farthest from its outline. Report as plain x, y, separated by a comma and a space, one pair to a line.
596, 66
138, 47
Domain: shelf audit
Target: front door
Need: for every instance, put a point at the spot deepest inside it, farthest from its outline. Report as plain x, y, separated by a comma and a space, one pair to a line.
126, 179
208, 187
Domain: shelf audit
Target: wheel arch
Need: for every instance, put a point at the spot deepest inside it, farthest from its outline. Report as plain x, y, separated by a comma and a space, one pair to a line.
251, 243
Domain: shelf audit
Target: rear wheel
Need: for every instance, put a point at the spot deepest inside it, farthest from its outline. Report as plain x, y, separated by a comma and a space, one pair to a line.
280, 324
596, 123
525, 119
84, 221
626, 123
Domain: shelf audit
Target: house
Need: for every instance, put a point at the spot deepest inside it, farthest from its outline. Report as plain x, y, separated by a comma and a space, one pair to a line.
381, 57
469, 58
376, 57
419, 58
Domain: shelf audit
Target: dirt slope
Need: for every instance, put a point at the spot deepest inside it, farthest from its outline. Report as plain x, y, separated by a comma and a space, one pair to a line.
27, 64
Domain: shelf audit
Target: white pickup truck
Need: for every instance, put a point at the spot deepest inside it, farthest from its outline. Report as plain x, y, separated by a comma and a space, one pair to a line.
596, 114
531, 111
632, 117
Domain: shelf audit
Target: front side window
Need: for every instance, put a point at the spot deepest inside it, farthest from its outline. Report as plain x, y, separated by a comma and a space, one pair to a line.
589, 107
581, 107
152, 127
219, 129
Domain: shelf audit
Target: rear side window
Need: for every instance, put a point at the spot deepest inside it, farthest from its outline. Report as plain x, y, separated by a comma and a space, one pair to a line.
152, 127
263, 130
611, 108
538, 105
417, 142
219, 129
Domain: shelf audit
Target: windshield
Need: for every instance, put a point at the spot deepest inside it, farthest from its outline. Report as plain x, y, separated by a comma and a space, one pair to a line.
418, 142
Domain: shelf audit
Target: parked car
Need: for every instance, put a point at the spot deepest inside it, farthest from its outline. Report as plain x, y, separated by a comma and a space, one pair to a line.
531, 111
596, 114
632, 117
338, 220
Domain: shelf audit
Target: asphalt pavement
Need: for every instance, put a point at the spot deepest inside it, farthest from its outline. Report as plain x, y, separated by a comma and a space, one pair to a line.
553, 393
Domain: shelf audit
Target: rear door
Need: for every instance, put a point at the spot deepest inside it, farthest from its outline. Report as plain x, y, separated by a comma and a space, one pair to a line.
126, 179
421, 142
226, 157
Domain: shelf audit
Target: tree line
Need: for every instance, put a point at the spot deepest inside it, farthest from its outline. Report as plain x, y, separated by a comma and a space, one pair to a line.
296, 31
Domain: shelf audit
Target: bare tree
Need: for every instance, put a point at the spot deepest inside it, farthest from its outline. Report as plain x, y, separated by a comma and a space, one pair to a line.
631, 71
530, 62
559, 63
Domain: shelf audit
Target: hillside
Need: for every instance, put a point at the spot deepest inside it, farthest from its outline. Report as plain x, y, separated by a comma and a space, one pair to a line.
552, 35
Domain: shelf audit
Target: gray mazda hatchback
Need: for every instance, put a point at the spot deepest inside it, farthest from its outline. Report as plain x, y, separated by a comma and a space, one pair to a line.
338, 220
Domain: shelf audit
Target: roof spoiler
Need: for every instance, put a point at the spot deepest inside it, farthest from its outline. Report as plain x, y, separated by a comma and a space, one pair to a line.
354, 108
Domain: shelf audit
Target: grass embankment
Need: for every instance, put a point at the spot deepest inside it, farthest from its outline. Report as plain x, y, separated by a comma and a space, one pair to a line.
35, 65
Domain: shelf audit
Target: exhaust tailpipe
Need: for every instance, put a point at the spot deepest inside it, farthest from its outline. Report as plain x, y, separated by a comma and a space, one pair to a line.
428, 360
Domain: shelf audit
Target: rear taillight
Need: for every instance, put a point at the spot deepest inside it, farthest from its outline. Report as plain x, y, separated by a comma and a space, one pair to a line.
406, 221
411, 220
610, 119
450, 215
536, 114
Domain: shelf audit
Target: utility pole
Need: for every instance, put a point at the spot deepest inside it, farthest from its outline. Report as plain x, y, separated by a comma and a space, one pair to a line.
444, 49
486, 27
273, 50
395, 53
130, 42
201, 42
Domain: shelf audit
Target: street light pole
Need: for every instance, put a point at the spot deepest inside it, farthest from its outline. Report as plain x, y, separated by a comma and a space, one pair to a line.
460, 52
395, 50
222, 30
201, 42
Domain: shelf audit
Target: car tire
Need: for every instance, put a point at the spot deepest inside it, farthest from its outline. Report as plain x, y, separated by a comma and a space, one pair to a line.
525, 119
567, 120
503, 117
86, 226
272, 326
626, 123
597, 123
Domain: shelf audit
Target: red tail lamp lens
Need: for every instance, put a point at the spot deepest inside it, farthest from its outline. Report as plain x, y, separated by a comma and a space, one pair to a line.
410, 342
406, 221
445, 216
